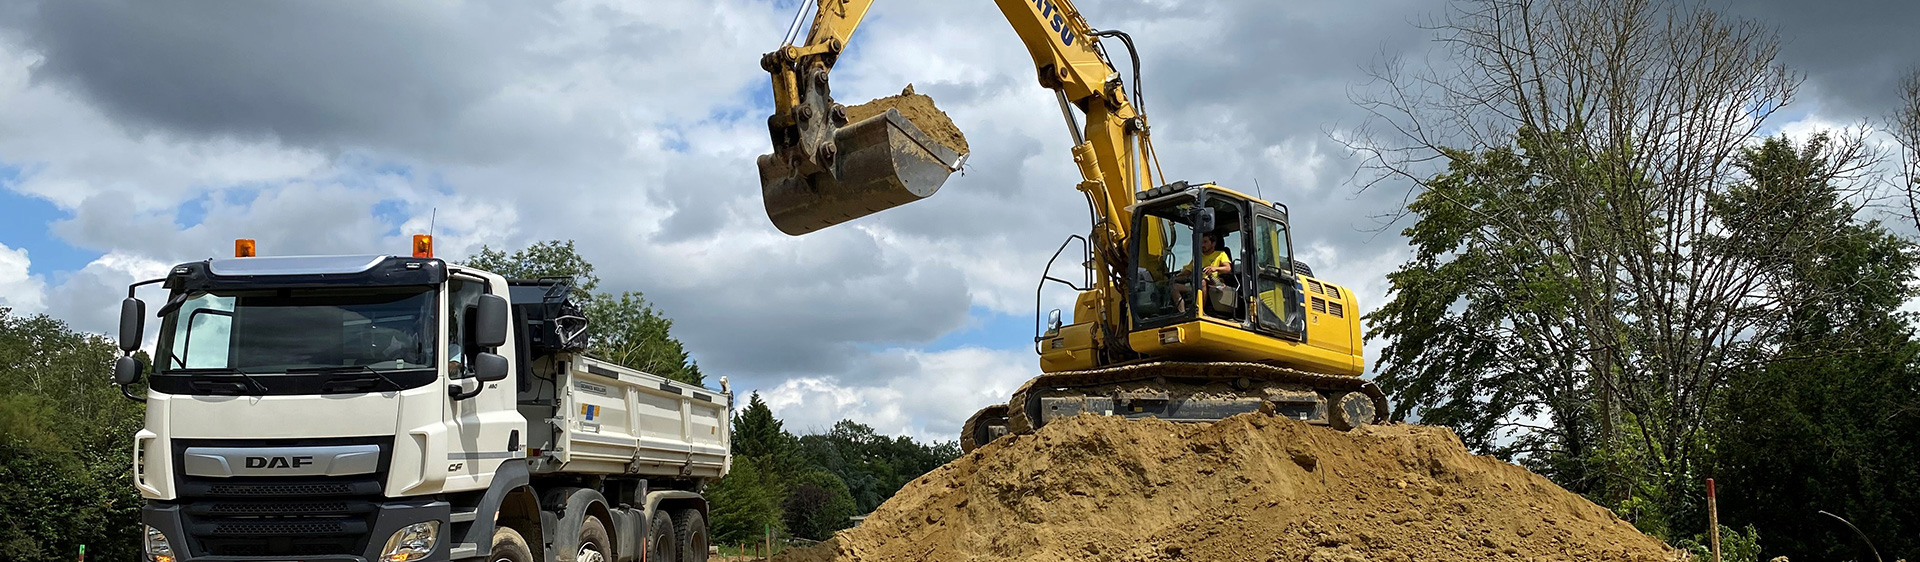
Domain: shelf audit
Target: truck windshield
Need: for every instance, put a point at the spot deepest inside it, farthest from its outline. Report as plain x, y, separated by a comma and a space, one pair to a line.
276, 330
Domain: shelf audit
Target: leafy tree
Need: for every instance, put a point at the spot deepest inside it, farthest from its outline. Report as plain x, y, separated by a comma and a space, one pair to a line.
64, 455
626, 329
1828, 426
757, 433
550, 258
873, 466
1569, 302
819, 505
745, 503
629, 331
1581, 317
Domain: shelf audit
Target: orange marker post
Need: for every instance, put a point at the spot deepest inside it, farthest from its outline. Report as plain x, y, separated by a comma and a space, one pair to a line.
1713, 522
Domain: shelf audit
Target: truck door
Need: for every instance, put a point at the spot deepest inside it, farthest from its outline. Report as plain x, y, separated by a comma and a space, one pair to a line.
483, 427
1280, 306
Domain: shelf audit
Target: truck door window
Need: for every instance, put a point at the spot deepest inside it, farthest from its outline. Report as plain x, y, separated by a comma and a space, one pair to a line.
463, 298
201, 341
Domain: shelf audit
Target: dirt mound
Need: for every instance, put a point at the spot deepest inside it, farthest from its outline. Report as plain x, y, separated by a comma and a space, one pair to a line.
1249, 487
918, 109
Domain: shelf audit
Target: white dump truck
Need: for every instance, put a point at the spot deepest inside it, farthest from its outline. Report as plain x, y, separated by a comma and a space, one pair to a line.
400, 409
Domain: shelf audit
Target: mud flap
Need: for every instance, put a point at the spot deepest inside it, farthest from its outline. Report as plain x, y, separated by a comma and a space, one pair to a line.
873, 165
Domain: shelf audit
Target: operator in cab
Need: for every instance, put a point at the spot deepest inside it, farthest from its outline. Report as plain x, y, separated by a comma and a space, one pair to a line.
1213, 262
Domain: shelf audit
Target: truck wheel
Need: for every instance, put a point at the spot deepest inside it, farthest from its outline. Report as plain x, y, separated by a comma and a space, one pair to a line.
660, 544
692, 537
595, 546
508, 546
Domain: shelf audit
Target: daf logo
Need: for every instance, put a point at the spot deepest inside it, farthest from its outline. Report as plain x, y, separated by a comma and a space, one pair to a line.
279, 462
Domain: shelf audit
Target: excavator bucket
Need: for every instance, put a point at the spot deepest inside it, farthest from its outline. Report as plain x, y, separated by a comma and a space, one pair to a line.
872, 165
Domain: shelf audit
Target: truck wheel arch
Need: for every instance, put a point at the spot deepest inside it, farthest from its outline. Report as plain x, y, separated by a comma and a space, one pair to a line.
510, 495
676, 499
574, 506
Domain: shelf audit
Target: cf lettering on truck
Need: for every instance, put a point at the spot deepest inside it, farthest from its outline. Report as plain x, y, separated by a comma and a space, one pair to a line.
398, 408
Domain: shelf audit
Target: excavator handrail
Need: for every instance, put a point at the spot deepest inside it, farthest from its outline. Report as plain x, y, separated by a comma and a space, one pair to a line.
1047, 275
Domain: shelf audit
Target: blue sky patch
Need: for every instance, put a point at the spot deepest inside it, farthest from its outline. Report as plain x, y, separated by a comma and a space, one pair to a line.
27, 222
393, 212
988, 329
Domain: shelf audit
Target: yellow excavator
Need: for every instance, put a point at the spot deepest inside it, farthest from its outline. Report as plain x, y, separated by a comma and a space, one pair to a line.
1192, 307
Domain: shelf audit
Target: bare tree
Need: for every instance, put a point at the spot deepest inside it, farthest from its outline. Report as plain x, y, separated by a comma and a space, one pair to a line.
1608, 286
1905, 128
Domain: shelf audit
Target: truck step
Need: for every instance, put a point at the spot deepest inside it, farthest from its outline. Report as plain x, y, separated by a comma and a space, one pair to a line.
464, 550
462, 516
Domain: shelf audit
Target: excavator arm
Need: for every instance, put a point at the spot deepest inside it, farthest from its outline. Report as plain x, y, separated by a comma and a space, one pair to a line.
825, 171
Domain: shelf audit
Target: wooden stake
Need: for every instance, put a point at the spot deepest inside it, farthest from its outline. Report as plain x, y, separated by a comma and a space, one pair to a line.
1713, 521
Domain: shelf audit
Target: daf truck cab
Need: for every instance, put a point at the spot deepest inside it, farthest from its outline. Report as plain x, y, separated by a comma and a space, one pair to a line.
383, 408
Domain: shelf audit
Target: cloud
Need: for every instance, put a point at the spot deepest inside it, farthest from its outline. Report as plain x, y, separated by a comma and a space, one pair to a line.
20, 290
319, 127
89, 299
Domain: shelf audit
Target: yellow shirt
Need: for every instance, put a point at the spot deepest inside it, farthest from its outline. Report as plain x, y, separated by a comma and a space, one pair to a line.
1216, 258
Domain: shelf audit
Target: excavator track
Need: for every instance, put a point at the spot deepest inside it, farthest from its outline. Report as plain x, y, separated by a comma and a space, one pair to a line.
1184, 392
983, 427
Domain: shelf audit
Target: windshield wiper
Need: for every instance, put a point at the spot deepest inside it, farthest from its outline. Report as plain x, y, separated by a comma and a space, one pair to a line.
253, 383
344, 369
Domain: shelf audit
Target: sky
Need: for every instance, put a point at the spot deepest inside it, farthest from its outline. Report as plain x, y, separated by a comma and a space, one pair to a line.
136, 135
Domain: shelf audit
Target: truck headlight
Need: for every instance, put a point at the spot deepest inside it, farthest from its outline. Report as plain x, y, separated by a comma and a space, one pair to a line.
157, 547
413, 542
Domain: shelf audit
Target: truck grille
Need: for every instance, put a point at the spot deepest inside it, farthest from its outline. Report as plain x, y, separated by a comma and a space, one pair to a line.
290, 516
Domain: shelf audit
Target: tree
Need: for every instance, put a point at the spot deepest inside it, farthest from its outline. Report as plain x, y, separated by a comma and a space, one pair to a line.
1579, 291
64, 455
629, 331
756, 433
818, 506
551, 258
1828, 424
745, 503
1904, 125
626, 329
873, 466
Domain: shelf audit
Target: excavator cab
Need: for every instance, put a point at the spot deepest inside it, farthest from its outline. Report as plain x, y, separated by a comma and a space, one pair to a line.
1191, 256
1208, 260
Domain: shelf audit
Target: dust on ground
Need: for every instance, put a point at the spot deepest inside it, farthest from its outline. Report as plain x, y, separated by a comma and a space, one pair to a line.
1251, 487
918, 109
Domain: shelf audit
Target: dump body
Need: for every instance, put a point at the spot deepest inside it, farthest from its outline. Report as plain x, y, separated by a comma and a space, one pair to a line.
616, 420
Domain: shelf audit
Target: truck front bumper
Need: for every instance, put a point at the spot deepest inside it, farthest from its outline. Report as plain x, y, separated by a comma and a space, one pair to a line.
211, 532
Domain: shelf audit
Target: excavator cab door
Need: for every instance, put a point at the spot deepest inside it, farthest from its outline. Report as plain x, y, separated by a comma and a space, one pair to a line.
1279, 299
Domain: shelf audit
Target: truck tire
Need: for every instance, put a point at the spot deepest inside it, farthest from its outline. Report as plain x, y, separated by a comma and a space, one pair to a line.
508, 546
660, 544
595, 545
692, 535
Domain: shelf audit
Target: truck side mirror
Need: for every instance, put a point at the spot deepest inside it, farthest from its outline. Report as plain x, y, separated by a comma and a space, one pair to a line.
489, 367
490, 322
1203, 221
126, 370
133, 316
